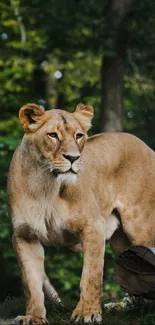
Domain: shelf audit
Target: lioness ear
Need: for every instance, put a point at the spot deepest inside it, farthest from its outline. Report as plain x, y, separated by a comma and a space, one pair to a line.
31, 117
84, 115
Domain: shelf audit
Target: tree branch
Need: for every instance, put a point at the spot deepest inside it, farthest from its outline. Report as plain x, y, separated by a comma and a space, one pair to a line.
19, 20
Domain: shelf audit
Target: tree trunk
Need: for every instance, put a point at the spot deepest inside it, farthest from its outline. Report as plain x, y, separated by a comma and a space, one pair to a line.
112, 68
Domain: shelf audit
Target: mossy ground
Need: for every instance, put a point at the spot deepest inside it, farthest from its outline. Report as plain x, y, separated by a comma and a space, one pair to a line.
57, 315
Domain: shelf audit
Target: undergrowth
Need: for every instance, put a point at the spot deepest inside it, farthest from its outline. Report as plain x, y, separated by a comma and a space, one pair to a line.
138, 314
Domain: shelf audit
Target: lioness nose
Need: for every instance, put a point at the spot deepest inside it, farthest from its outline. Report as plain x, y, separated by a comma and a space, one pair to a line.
71, 158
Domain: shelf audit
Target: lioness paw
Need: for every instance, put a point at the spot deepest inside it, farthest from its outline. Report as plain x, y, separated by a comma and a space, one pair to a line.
93, 318
29, 320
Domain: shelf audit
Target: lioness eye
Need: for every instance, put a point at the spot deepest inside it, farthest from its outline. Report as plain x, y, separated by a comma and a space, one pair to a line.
53, 135
79, 135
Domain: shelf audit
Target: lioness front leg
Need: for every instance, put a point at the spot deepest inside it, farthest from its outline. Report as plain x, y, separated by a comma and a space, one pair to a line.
93, 242
30, 255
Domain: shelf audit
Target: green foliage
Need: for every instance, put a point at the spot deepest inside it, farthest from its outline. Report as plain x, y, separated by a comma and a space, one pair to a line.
64, 270
10, 127
7, 257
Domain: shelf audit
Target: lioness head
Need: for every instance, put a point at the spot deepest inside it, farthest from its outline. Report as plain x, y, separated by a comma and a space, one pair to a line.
57, 137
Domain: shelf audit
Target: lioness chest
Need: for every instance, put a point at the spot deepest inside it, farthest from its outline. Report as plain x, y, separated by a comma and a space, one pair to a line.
47, 222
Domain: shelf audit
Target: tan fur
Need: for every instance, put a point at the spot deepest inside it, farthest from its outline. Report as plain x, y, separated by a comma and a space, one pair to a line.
50, 205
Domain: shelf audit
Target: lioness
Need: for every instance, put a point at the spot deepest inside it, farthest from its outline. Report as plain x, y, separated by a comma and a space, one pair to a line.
67, 189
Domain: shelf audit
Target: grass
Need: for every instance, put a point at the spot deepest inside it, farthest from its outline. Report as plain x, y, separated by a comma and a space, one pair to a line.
60, 315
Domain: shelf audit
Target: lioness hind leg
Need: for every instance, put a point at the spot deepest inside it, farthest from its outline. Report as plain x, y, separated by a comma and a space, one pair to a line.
49, 290
30, 255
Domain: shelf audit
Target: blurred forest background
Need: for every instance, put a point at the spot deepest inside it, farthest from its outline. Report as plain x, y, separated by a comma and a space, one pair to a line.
58, 53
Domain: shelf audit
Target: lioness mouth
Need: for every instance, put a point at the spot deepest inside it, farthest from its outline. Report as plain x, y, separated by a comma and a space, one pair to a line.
71, 170
57, 172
